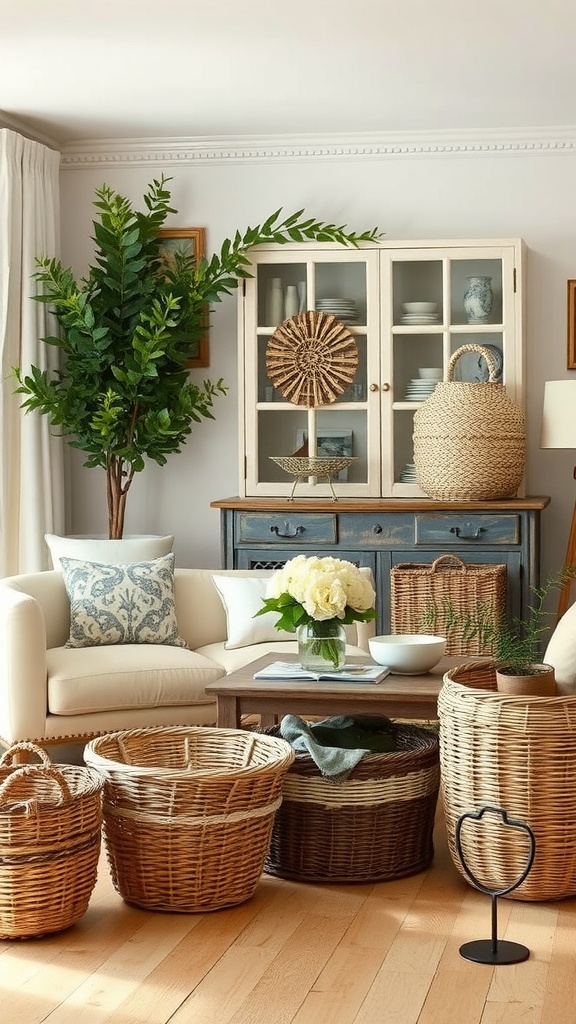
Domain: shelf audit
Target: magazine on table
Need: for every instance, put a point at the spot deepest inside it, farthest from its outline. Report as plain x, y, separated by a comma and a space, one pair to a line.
349, 674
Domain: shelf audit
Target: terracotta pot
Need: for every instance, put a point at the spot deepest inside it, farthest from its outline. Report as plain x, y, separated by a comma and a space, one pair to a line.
540, 683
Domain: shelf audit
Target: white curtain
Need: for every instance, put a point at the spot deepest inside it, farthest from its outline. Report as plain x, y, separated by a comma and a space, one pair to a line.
31, 458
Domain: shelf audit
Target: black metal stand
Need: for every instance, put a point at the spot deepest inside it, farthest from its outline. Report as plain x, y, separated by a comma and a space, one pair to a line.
493, 951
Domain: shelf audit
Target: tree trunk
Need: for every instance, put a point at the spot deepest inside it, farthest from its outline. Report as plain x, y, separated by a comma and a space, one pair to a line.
116, 493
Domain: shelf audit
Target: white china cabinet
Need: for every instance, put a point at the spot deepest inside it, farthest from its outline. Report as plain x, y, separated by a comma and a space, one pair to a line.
403, 302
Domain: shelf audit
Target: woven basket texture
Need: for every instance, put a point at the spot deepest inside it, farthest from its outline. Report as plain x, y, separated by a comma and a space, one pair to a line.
188, 812
50, 828
447, 586
376, 825
517, 754
469, 439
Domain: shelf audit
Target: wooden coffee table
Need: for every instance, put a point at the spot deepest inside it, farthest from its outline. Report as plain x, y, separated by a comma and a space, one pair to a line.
239, 694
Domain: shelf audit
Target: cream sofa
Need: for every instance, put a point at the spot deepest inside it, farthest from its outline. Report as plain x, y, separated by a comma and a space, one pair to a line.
52, 694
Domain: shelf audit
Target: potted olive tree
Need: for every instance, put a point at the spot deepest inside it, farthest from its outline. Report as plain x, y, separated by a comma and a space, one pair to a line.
123, 394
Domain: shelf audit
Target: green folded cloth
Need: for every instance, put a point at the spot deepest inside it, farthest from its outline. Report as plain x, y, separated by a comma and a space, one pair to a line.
336, 745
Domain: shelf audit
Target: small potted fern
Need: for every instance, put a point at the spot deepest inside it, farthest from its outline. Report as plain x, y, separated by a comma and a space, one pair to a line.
515, 643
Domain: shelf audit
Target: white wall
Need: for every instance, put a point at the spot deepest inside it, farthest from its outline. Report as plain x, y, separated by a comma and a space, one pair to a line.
481, 195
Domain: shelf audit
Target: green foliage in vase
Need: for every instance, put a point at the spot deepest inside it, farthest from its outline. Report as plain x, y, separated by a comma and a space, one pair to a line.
123, 393
515, 644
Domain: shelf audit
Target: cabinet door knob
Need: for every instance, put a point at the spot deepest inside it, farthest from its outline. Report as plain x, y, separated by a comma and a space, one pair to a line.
386, 386
286, 532
373, 387
377, 528
467, 536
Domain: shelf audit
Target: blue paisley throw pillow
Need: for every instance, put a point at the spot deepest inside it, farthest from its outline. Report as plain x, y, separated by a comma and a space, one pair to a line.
121, 604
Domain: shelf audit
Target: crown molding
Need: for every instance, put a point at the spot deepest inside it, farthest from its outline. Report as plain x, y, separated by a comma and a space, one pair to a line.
371, 145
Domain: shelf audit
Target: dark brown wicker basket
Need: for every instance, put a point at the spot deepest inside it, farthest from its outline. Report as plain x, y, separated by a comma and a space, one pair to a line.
377, 825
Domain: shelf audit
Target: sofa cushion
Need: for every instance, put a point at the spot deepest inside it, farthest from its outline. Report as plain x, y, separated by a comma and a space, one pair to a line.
242, 597
121, 604
561, 652
104, 550
126, 676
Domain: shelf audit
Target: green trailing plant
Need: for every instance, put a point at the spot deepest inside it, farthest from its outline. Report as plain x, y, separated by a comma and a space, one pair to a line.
123, 393
515, 643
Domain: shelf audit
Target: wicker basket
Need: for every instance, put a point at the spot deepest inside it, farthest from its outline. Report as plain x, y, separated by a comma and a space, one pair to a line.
446, 586
517, 754
188, 812
469, 439
377, 825
50, 826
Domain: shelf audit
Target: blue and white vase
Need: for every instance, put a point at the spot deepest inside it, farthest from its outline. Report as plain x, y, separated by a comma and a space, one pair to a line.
478, 300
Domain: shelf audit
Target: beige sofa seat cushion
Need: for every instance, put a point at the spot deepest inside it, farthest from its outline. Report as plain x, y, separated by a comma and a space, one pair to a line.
82, 681
241, 656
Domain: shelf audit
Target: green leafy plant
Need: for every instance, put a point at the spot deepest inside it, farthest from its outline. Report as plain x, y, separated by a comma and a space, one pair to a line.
123, 394
516, 643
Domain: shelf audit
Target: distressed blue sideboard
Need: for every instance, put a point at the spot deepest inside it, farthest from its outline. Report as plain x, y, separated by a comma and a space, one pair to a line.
380, 533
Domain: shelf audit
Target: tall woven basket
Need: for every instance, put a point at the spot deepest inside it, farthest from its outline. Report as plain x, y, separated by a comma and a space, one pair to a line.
188, 812
50, 826
376, 825
517, 754
469, 438
437, 597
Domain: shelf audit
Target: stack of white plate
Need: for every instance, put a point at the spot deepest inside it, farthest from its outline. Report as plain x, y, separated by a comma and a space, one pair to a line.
345, 309
408, 474
419, 389
416, 313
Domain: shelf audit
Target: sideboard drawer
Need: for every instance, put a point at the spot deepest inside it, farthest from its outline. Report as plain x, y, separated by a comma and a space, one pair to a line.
474, 529
270, 528
364, 530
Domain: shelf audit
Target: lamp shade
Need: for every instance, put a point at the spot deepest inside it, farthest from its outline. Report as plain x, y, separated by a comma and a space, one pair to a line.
559, 414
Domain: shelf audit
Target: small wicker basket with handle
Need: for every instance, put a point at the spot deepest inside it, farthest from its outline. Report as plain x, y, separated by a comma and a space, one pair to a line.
50, 824
469, 438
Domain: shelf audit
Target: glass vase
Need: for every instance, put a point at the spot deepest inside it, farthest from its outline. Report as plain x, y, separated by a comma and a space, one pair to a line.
322, 646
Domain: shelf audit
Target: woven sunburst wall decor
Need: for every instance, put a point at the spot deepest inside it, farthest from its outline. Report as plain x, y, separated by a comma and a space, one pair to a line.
312, 358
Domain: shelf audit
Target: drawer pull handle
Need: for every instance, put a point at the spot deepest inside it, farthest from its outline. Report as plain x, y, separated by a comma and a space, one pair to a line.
467, 536
377, 528
285, 532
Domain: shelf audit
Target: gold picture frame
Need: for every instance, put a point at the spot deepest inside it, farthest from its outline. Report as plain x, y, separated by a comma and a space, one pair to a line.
193, 242
572, 325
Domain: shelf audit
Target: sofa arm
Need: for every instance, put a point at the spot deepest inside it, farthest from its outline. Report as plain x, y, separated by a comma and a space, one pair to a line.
23, 673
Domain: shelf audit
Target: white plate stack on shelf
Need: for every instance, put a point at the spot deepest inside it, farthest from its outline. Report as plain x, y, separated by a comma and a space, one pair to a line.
408, 474
420, 313
345, 309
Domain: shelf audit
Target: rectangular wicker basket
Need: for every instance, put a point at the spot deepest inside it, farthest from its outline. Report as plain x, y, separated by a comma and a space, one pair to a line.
420, 593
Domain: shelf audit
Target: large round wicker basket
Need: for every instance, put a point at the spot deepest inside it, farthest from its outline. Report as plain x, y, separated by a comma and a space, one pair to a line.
50, 826
188, 812
517, 754
469, 438
376, 825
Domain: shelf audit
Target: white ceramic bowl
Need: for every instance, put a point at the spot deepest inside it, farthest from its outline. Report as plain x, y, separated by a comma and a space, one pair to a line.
407, 654
430, 372
419, 307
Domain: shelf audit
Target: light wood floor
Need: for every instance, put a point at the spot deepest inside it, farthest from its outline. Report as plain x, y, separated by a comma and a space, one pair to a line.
310, 954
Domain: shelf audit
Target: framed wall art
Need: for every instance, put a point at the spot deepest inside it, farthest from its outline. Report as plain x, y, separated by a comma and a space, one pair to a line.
572, 325
191, 241
330, 442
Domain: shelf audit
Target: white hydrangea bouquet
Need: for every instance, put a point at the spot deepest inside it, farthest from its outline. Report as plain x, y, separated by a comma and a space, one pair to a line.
321, 593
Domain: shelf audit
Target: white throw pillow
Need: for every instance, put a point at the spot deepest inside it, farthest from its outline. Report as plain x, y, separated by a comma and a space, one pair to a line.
242, 597
561, 652
110, 552
121, 604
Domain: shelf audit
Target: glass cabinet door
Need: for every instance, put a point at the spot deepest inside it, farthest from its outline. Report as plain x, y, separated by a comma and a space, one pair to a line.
434, 301
338, 281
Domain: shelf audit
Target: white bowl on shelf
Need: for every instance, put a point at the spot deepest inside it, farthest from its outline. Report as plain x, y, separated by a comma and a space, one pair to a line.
430, 372
407, 654
419, 307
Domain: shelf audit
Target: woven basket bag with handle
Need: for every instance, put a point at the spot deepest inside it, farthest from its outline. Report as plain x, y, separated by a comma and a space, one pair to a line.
469, 438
